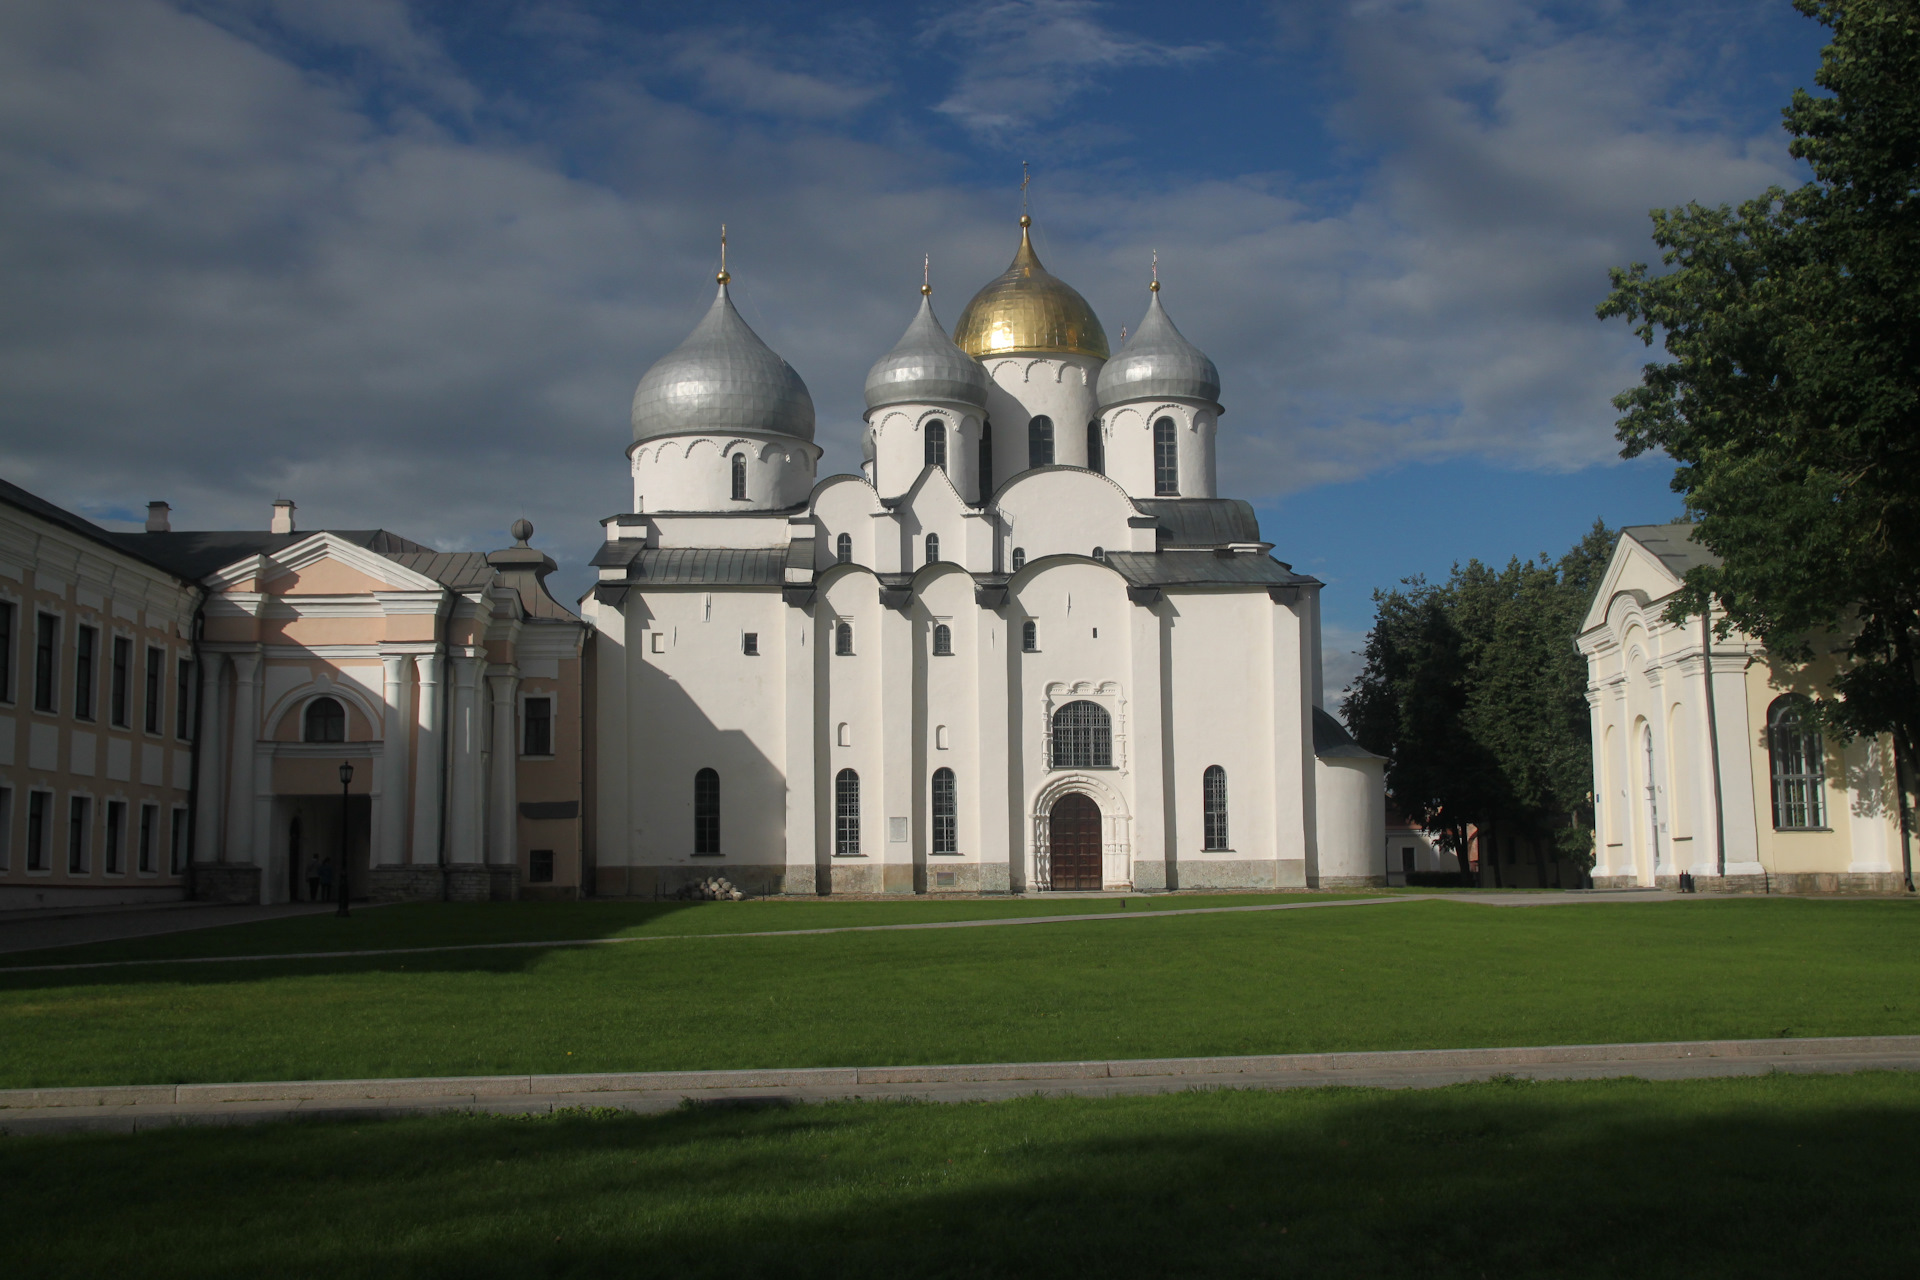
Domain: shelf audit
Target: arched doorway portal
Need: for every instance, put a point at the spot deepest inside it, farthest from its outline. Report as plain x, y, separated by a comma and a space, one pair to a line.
1075, 852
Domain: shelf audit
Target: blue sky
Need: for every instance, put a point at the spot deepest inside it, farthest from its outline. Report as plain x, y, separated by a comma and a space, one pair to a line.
405, 262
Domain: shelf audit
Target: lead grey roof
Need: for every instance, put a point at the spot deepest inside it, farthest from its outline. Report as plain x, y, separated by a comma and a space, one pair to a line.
1202, 569
1673, 544
709, 566
925, 366
1331, 741
723, 378
195, 554
1201, 522
458, 570
1158, 363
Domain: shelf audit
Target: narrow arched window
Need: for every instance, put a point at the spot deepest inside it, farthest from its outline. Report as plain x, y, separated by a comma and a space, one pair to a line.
1100, 554
843, 548
1799, 764
942, 640
846, 813
933, 548
1096, 448
1082, 736
1166, 459
1040, 442
946, 835
937, 444
843, 639
739, 477
1019, 559
706, 811
326, 721
1030, 636
986, 462
1213, 806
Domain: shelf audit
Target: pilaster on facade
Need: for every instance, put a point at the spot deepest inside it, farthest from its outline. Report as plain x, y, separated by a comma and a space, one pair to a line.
211, 721
464, 747
804, 857
1152, 856
430, 761
503, 799
390, 832
240, 833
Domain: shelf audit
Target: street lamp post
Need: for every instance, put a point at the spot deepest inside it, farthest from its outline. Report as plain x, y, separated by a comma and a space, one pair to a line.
346, 780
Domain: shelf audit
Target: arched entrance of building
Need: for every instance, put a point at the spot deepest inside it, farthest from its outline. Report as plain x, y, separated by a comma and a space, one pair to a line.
1075, 851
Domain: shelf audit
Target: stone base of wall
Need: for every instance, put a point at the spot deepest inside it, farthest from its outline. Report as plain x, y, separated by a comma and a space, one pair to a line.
846, 875
951, 875
803, 882
1238, 873
1350, 882
1149, 875
403, 884
225, 882
754, 880
1876, 882
469, 882
1615, 882
504, 883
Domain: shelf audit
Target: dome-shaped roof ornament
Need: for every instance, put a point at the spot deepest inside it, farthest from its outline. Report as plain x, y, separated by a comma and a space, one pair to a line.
926, 366
1158, 362
723, 378
1029, 309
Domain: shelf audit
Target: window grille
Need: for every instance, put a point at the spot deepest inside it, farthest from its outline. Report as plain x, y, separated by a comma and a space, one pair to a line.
846, 813
933, 548
706, 811
1798, 759
46, 661
1096, 448
1100, 554
739, 477
1166, 459
937, 444
86, 640
1040, 442
326, 721
1213, 798
946, 837
843, 639
843, 548
539, 727
750, 643
1030, 636
942, 640
1019, 559
1082, 736
539, 866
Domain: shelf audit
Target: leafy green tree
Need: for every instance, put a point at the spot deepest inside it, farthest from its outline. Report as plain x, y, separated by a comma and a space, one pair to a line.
1791, 401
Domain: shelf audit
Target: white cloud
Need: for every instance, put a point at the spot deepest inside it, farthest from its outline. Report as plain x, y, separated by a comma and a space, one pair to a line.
735, 74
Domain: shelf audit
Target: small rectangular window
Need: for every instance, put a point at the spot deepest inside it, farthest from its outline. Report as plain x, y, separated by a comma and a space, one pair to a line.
183, 701
149, 820
539, 866
7, 614
38, 804
85, 645
6, 828
120, 691
750, 643
539, 718
156, 675
46, 662
659, 644
79, 818
177, 843
116, 858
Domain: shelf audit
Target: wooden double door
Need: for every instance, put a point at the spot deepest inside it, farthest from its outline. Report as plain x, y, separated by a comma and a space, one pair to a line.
1076, 854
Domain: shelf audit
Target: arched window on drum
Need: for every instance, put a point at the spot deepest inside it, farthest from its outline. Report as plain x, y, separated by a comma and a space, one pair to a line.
739, 477
937, 444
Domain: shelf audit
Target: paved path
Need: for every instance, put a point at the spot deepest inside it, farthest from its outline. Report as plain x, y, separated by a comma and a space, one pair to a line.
1151, 913
34, 931
135, 1107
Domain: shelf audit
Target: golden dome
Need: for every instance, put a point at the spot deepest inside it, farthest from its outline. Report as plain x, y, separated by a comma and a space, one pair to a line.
1029, 309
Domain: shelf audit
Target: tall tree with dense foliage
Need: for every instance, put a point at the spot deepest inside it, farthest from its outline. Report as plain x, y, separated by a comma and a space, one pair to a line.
1792, 399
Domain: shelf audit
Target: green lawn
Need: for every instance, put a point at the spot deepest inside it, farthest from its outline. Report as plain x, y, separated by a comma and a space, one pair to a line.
1771, 1176
1408, 975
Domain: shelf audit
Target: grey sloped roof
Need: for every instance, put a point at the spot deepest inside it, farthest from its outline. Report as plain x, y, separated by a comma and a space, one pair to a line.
1202, 569
199, 553
1673, 544
925, 365
1331, 741
33, 504
722, 378
709, 566
1158, 363
1201, 522
458, 570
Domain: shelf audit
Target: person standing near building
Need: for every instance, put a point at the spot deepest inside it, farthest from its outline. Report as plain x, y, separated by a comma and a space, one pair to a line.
326, 880
313, 879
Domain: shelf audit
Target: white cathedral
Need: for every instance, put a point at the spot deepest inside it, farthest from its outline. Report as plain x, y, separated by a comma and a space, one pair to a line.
1028, 647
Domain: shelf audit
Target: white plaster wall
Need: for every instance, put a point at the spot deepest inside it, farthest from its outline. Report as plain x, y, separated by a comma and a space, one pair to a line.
1351, 821
899, 434
1220, 709
1055, 512
851, 694
948, 694
1130, 454
694, 473
1061, 387
849, 505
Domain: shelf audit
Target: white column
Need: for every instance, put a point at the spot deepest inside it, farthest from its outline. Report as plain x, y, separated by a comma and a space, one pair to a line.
894, 797
503, 804
802, 750
390, 841
427, 761
1155, 847
606, 832
464, 830
211, 724
1001, 813
246, 734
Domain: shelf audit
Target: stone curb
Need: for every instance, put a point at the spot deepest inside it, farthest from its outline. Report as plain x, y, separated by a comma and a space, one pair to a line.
695, 1083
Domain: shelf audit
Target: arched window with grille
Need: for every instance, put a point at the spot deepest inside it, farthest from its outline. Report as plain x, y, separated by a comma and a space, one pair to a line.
1166, 459
1040, 441
1082, 736
843, 548
843, 639
739, 477
1019, 559
1096, 448
937, 444
986, 462
326, 721
946, 834
1100, 554
933, 548
706, 811
942, 640
1799, 765
846, 814
1213, 806
1030, 636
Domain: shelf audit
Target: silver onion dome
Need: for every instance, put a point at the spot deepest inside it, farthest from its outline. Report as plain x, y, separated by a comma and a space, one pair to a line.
1158, 363
722, 378
925, 366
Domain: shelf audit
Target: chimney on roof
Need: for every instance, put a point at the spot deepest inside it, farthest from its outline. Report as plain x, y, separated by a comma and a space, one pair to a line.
157, 521
282, 516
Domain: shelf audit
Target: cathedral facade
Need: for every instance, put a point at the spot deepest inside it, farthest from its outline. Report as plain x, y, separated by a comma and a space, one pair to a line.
1029, 646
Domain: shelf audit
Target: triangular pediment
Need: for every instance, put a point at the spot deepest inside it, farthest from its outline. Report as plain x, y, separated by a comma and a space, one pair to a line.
1633, 568
323, 564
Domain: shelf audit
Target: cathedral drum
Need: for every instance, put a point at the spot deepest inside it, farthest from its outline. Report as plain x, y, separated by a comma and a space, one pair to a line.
1075, 851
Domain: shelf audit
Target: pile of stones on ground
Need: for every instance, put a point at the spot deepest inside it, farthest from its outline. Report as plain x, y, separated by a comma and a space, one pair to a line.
712, 889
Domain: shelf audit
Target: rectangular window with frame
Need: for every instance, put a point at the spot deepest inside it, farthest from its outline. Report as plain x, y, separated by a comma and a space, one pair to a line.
7, 615
120, 691
39, 815
79, 819
149, 821
177, 843
539, 866
750, 643
116, 851
538, 739
86, 648
6, 828
183, 701
46, 662
156, 676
